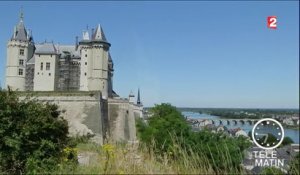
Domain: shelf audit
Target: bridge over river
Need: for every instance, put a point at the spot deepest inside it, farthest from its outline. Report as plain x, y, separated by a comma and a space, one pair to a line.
223, 121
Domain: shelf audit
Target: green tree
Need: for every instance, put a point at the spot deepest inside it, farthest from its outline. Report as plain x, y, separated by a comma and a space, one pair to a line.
287, 141
32, 135
169, 131
165, 124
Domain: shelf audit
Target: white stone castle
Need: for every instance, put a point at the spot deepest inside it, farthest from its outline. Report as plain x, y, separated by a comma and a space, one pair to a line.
84, 66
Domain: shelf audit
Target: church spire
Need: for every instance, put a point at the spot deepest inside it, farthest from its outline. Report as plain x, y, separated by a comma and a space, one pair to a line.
138, 98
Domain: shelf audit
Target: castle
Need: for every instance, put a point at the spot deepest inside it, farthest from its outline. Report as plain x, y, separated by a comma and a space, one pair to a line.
83, 73
84, 66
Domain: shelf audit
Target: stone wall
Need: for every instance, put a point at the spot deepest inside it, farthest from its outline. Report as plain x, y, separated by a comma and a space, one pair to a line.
85, 114
89, 114
122, 120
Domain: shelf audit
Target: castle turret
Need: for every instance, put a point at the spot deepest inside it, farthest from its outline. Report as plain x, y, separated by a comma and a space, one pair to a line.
94, 62
20, 49
131, 97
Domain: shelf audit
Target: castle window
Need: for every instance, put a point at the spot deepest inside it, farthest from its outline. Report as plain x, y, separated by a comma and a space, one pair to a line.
21, 52
49, 74
51, 55
85, 55
20, 71
21, 62
41, 66
85, 63
85, 73
47, 66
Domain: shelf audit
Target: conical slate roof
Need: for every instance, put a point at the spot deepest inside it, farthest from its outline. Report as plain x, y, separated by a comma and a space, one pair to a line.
99, 34
20, 31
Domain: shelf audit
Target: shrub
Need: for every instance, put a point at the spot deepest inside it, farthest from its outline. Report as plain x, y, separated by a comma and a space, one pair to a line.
32, 135
169, 131
287, 141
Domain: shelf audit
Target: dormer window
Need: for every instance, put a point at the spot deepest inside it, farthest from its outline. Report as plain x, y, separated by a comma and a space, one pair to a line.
21, 52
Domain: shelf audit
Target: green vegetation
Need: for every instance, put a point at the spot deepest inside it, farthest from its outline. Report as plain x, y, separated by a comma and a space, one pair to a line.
295, 165
34, 140
33, 136
169, 133
271, 138
271, 171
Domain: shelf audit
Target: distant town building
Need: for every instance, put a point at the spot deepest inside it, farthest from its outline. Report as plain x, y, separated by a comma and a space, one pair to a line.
211, 127
236, 132
288, 121
222, 128
205, 122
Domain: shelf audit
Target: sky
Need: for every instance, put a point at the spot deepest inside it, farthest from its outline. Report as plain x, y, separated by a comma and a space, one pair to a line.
189, 54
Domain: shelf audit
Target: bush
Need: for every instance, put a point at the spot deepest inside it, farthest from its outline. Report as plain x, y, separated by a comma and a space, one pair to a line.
287, 141
169, 131
32, 135
165, 123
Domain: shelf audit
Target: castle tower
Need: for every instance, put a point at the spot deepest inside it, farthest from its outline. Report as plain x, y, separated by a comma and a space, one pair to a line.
94, 62
20, 49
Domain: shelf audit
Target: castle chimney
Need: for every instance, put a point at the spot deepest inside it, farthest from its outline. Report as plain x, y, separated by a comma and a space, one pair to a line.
15, 31
76, 42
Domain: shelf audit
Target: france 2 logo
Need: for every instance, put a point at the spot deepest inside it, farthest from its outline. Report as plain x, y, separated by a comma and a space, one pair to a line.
272, 22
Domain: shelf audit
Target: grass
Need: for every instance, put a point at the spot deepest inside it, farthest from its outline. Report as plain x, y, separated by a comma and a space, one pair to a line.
117, 158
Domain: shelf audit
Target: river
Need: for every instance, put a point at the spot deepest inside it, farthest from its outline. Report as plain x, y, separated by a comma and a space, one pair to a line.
292, 133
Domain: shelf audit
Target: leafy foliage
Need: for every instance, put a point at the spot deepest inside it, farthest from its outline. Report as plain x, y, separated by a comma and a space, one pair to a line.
295, 165
271, 171
287, 141
32, 135
169, 131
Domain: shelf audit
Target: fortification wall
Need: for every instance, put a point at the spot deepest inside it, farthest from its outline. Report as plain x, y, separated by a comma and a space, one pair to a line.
89, 114
122, 116
85, 114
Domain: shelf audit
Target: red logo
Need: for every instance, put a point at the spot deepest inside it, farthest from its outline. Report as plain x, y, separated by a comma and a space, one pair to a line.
272, 22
